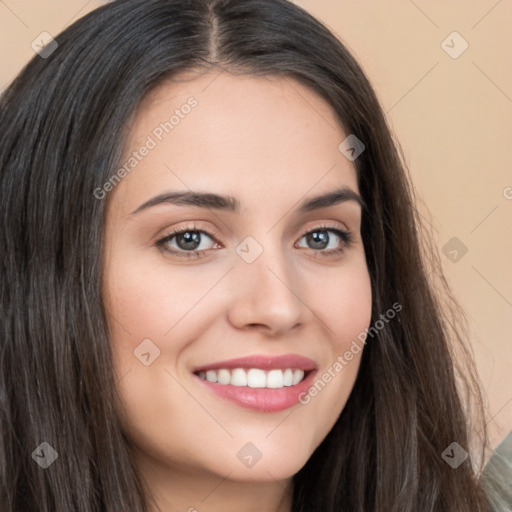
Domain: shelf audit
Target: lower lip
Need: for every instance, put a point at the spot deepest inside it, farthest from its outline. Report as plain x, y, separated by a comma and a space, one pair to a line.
262, 399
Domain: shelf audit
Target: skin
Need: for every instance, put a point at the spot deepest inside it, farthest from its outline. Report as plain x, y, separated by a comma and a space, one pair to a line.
271, 143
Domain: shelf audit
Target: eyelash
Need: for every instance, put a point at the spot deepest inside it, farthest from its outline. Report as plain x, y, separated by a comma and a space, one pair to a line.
345, 236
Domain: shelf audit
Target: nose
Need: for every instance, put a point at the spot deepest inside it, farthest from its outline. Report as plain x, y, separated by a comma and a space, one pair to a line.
266, 294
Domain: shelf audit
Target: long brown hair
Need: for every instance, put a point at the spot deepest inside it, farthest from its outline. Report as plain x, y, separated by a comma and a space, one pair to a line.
63, 123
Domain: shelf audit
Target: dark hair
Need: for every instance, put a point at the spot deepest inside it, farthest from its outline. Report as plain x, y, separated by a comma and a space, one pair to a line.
64, 122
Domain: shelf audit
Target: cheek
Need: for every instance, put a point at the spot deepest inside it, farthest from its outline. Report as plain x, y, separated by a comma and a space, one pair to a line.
345, 308
146, 300
342, 302
353, 311
152, 311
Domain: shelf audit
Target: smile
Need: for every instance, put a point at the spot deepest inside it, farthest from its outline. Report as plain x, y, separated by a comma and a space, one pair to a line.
260, 383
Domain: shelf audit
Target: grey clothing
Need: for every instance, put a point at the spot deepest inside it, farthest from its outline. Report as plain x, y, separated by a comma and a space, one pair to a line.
497, 476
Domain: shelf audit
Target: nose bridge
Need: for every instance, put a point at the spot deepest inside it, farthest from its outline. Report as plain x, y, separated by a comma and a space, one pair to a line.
265, 285
261, 252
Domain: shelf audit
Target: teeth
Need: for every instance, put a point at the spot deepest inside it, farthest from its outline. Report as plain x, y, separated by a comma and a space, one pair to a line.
254, 377
238, 377
298, 375
224, 377
288, 377
211, 376
275, 379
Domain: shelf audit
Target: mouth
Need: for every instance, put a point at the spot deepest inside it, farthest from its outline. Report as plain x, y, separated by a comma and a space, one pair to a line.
260, 383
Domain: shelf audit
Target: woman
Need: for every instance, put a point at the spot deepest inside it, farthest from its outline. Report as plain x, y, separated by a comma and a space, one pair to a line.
300, 362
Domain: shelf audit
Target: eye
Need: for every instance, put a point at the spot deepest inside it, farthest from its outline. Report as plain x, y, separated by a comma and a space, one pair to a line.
187, 242
319, 240
192, 241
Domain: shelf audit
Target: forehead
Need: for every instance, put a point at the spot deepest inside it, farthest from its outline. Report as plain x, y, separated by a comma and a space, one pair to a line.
247, 136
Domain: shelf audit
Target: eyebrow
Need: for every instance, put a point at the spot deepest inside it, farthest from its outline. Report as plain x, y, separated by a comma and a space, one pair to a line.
231, 204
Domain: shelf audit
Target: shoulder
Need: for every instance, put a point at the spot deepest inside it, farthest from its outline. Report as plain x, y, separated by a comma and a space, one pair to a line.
497, 476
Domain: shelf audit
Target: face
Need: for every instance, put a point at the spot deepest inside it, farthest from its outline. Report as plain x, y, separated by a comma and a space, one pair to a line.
217, 332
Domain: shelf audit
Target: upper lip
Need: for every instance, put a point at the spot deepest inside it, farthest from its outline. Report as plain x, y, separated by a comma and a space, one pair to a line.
265, 362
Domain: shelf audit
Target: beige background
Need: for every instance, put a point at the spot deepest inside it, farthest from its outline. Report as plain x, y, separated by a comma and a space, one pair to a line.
453, 117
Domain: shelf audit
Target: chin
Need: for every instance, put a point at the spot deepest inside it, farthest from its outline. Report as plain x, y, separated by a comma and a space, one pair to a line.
270, 463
